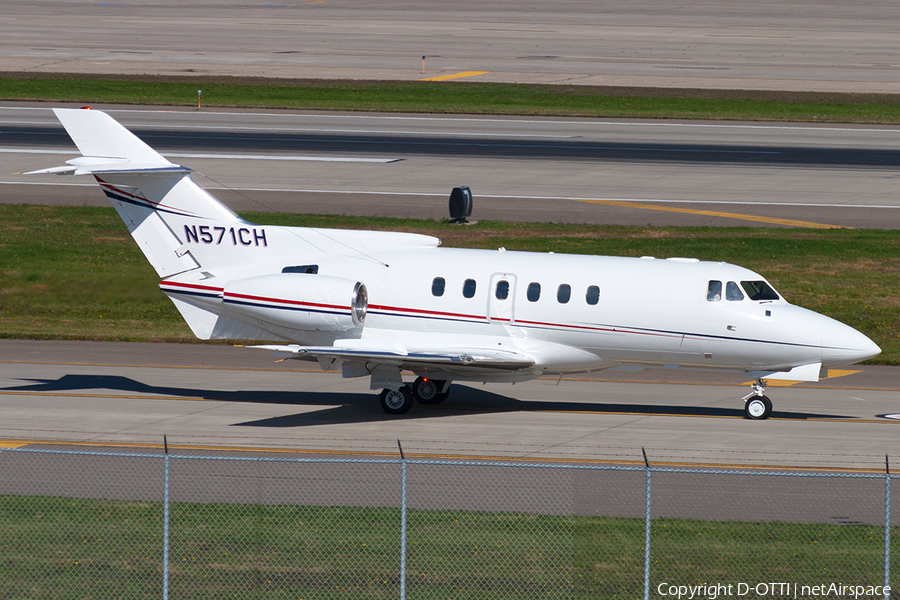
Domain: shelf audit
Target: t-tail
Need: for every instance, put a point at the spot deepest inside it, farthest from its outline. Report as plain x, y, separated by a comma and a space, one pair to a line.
173, 220
209, 259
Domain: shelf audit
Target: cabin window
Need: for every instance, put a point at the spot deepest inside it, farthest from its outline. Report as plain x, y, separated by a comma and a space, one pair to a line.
714, 291
469, 288
593, 295
502, 291
310, 269
563, 293
733, 292
534, 292
437, 286
759, 290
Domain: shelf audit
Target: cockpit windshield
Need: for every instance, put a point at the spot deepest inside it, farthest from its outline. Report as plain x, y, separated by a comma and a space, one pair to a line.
759, 290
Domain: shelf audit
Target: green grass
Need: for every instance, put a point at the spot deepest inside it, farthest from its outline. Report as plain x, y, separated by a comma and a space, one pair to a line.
64, 548
75, 273
466, 98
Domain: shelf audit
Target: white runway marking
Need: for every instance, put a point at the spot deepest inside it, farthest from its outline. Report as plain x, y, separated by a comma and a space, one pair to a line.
585, 146
366, 131
227, 156
497, 196
309, 130
276, 157
584, 122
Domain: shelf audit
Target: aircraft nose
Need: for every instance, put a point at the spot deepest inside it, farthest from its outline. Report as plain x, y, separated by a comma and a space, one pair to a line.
843, 345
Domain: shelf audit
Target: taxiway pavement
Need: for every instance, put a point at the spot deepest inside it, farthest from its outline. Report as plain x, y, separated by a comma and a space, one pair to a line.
224, 398
731, 44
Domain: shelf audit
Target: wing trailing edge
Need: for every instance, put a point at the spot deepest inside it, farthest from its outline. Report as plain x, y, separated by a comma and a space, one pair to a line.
393, 355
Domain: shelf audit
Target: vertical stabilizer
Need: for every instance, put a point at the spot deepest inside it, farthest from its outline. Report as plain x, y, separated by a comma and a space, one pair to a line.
157, 199
98, 135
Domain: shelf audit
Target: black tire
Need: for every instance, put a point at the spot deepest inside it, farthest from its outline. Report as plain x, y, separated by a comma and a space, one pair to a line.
758, 408
768, 407
428, 391
396, 403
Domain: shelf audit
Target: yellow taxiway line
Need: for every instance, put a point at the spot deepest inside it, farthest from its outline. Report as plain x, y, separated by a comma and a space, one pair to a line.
455, 76
147, 366
832, 374
18, 443
470, 408
13, 443
714, 213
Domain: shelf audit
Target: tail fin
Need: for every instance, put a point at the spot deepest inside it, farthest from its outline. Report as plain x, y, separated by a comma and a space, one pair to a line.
156, 199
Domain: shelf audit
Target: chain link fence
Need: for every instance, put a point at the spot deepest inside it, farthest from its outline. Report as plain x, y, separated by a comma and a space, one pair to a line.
76, 524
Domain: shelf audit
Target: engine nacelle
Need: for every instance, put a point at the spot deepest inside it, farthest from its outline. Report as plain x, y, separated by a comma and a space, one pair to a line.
300, 301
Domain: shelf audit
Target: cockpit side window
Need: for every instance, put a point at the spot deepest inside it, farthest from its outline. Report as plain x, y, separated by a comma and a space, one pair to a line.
759, 290
714, 291
733, 292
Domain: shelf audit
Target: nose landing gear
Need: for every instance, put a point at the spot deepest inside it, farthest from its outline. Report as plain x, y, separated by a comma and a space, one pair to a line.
757, 405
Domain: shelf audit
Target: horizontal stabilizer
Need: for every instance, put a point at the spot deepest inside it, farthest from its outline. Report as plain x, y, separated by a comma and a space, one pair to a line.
158, 201
106, 146
90, 165
99, 136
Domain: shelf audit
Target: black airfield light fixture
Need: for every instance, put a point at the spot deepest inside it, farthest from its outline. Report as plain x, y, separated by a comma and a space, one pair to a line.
460, 204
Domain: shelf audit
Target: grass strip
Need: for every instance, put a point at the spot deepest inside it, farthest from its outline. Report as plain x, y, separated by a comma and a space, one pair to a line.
462, 98
76, 273
72, 548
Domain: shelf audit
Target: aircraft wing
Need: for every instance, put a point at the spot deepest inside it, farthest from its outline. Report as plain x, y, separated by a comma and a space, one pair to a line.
392, 355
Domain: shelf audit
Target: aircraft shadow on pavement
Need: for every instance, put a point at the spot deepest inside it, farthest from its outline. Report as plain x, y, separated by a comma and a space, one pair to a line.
345, 408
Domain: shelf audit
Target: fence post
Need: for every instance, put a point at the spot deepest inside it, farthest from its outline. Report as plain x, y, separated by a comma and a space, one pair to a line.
887, 526
402, 522
647, 530
165, 519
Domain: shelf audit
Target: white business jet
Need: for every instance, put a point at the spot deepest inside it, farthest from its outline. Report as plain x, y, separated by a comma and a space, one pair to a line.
374, 304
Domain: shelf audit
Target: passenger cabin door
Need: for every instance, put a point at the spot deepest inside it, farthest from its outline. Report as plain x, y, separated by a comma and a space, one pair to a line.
722, 316
723, 306
502, 298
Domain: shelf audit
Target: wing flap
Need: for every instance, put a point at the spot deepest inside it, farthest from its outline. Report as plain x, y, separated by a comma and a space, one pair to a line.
392, 355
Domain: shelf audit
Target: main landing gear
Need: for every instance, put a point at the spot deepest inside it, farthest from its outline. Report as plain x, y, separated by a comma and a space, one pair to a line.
757, 405
424, 391
396, 402
430, 391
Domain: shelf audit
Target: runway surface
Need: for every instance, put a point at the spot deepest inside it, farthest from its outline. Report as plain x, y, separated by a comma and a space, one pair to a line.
215, 399
221, 398
519, 169
837, 46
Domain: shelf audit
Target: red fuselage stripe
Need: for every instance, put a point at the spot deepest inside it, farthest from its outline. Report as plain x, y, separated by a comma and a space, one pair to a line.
281, 301
191, 286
